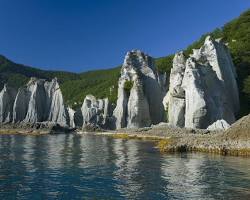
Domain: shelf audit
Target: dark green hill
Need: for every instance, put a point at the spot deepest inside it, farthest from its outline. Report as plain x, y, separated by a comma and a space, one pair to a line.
103, 83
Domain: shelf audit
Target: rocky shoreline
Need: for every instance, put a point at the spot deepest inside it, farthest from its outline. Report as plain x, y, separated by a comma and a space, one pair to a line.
235, 141
39, 128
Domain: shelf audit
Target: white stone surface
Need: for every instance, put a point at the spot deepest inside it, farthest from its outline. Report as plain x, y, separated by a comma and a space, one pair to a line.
140, 70
207, 85
40, 101
7, 98
219, 125
95, 111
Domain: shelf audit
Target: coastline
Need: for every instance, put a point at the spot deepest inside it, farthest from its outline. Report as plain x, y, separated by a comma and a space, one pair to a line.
167, 138
173, 139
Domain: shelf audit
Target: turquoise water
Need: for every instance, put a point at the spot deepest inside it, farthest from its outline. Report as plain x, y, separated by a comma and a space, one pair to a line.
96, 167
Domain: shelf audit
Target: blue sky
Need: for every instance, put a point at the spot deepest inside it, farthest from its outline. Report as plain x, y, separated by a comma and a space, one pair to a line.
81, 35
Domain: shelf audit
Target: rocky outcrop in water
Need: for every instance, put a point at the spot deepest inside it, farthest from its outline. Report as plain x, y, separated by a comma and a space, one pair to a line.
203, 88
95, 112
140, 96
38, 101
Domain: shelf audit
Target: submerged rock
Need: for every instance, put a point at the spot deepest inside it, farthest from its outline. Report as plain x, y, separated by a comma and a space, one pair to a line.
203, 88
140, 96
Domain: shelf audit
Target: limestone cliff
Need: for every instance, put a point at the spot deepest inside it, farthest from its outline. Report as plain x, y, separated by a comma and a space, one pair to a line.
40, 101
7, 98
203, 88
140, 104
174, 101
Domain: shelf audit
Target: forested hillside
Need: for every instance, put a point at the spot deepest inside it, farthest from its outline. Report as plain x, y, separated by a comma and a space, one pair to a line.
103, 83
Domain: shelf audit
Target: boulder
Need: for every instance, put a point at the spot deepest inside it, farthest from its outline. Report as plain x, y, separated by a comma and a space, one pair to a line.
219, 125
138, 86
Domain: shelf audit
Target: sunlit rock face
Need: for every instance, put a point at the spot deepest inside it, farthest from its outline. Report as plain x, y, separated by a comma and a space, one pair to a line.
174, 101
140, 104
95, 112
57, 112
203, 88
40, 101
7, 98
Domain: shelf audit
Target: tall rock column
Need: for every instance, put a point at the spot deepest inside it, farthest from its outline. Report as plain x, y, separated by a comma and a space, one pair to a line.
174, 101
138, 74
138, 108
57, 109
208, 87
7, 98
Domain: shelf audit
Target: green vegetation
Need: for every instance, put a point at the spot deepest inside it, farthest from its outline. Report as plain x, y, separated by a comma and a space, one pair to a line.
100, 83
128, 86
164, 64
103, 83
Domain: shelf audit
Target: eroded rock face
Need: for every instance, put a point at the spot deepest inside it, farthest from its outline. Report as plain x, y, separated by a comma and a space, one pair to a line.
174, 101
95, 112
138, 108
71, 114
40, 101
140, 105
57, 111
7, 98
203, 88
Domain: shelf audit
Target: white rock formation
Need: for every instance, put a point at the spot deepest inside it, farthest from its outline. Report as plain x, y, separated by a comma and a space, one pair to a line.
7, 98
205, 86
40, 101
71, 114
57, 111
219, 125
138, 108
143, 104
95, 111
174, 101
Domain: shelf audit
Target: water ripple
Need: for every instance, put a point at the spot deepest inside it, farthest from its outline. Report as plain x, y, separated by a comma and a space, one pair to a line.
91, 167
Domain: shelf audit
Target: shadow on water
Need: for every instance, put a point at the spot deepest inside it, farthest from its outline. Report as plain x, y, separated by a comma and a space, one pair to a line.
88, 166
